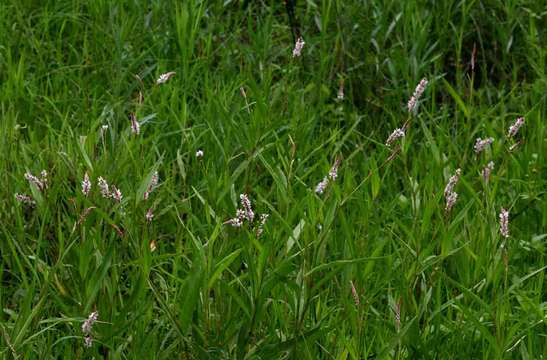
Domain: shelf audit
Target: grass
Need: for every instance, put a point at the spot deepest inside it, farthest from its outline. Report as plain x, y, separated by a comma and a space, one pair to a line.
187, 285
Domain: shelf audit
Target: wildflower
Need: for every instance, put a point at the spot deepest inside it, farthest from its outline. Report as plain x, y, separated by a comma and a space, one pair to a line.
41, 183
245, 213
452, 182
450, 195
25, 199
165, 77
340, 95
480, 144
152, 185
238, 220
298, 47
333, 172
513, 129
116, 194
135, 126
149, 215
354, 294
246, 205
487, 171
450, 201
87, 326
320, 188
395, 135
88, 341
103, 186
504, 223
412, 103
86, 185
199, 154
332, 175
260, 228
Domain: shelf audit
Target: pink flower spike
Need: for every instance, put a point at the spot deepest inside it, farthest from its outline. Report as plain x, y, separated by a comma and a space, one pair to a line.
149, 215
103, 186
480, 144
504, 223
513, 129
297, 51
116, 194
395, 135
86, 185
413, 102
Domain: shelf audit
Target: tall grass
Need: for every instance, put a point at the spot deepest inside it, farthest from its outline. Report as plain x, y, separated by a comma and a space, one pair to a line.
374, 267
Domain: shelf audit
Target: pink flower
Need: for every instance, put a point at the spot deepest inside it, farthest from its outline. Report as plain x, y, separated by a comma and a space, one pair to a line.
450, 195
260, 228
103, 187
513, 129
25, 199
298, 47
504, 223
86, 185
116, 194
487, 171
413, 102
149, 215
395, 135
41, 183
480, 144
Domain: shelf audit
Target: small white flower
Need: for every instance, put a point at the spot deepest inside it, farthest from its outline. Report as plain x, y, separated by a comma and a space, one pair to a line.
165, 77
199, 154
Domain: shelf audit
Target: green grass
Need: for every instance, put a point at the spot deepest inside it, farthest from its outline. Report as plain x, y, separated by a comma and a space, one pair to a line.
212, 291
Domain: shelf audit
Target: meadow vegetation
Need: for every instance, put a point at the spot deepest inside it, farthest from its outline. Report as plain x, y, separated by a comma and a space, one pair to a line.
248, 204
